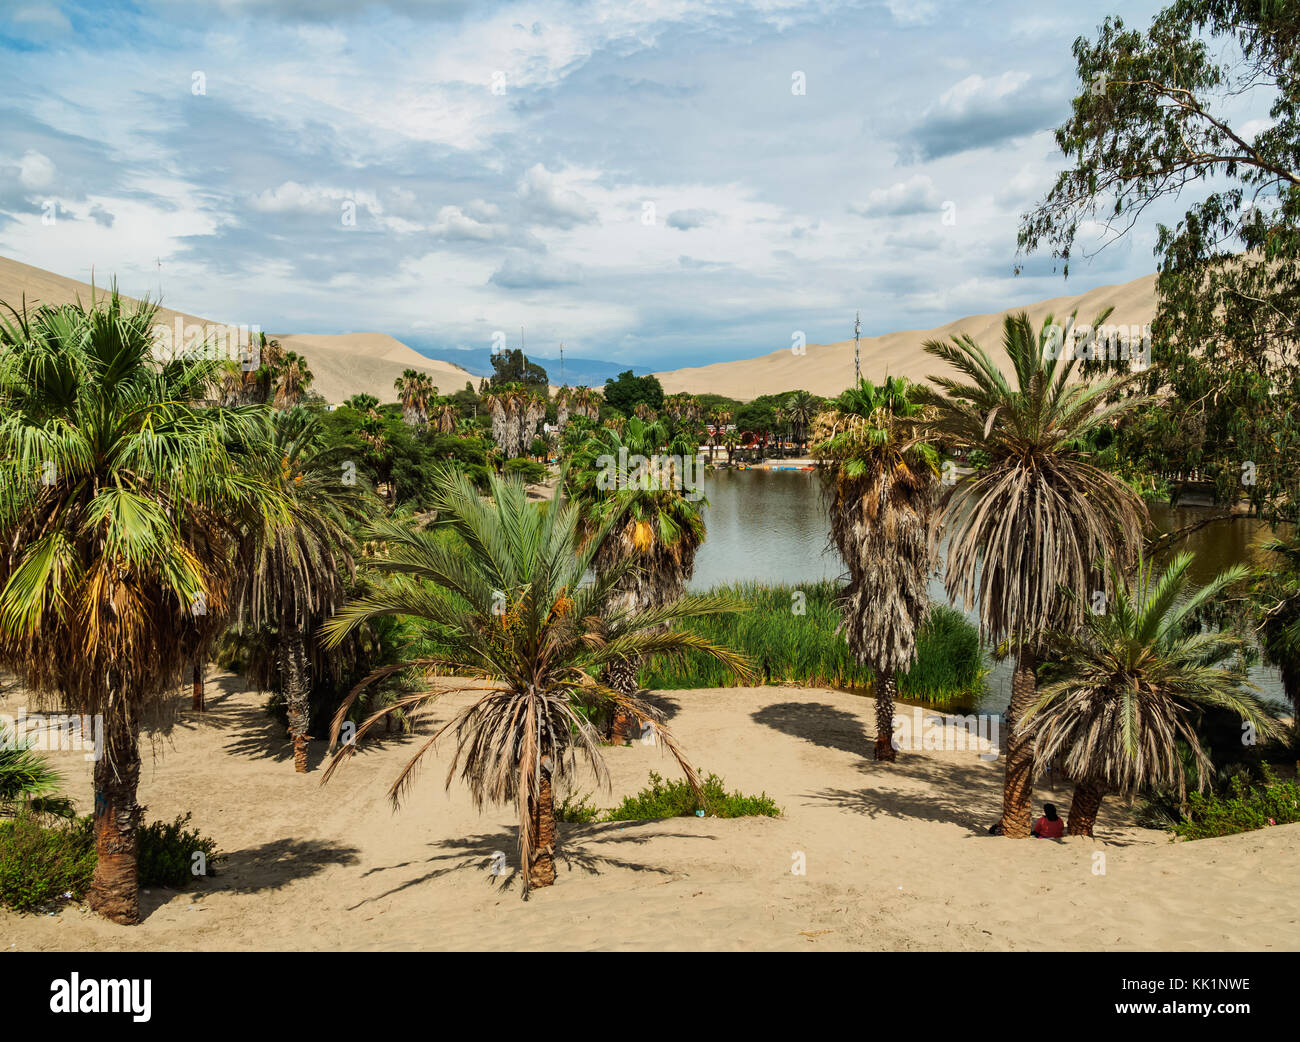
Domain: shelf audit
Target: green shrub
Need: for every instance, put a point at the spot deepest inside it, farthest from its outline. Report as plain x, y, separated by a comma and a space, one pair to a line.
1242, 808
166, 853
40, 865
578, 810
529, 470
674, 799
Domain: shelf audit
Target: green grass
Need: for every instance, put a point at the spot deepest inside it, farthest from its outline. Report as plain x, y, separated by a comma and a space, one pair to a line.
806, 649
672, 799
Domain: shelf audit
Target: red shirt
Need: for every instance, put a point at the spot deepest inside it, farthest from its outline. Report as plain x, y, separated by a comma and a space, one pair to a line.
1049, 829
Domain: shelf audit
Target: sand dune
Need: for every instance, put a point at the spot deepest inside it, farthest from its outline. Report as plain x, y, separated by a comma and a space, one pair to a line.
826, 369
896, 856
342, 365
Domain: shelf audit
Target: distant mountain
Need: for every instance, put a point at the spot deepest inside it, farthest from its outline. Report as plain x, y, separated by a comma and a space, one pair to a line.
578, 372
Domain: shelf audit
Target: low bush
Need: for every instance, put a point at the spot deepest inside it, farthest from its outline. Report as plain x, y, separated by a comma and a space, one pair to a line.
1243, 807
671, 799
41, 864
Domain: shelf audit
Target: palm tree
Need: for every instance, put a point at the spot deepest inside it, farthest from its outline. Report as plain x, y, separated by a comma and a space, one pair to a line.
445, 416
27, 781
801, 407
515, 414
415, 392
657, 524
296, 561
1040, 518
119, 505
363, 403
881, 477
1129, 687
731, 442
500, 587
293, 379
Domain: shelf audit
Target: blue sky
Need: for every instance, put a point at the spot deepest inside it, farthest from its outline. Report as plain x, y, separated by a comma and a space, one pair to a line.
639, 180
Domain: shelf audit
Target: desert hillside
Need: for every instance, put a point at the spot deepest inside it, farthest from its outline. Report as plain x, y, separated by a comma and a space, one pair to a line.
343, 365
826, 369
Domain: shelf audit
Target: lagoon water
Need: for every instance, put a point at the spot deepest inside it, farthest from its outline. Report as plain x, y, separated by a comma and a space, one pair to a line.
772, 527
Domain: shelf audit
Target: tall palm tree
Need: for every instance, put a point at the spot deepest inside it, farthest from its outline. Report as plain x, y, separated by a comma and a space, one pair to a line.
1040, 519
801, 407
296, 561
119, 505
731, 442
510, 614
657, 525
881, 477
1130, 684
415, 391
445, 416
292, 380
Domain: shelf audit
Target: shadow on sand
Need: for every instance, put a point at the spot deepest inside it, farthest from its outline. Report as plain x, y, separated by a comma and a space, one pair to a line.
820, 724
586, 848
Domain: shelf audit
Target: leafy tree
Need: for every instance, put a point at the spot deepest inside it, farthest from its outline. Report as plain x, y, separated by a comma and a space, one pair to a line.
510, 367
629, 391
1154, 121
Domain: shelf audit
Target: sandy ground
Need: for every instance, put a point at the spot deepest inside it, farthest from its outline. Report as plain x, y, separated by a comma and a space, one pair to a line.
896, 856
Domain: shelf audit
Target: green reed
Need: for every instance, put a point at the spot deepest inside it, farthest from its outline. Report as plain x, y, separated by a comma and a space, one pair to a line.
806, 649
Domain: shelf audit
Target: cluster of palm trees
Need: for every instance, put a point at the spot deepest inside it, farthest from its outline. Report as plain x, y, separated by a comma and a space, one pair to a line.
421, 404
516, 411
576, 401
281, 378
138, 525
1029, 537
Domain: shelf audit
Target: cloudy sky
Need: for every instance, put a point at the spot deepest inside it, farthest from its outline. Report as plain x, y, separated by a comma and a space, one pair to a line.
662, 182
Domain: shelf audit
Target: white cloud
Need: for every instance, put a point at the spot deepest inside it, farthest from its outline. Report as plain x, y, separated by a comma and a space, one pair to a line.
915, 195
35, 170
548, 201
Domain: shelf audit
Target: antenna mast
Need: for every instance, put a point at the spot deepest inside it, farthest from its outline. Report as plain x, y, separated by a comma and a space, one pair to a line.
857, 358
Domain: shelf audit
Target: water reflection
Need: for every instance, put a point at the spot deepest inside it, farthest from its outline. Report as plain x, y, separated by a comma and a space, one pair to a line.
772, 527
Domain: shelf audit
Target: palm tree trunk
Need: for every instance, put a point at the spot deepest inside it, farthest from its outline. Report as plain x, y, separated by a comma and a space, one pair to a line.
115, 888
296, 694
1018, 790
886, 688
198, 687
1083, 808
541, 872
622, 677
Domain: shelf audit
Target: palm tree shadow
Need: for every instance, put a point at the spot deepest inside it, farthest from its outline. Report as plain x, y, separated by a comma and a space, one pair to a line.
819, 723
259, 734
268, 866
955, 793
579, 850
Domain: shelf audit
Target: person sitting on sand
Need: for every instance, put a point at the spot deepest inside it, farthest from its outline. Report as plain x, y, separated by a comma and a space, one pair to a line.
1049, 826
